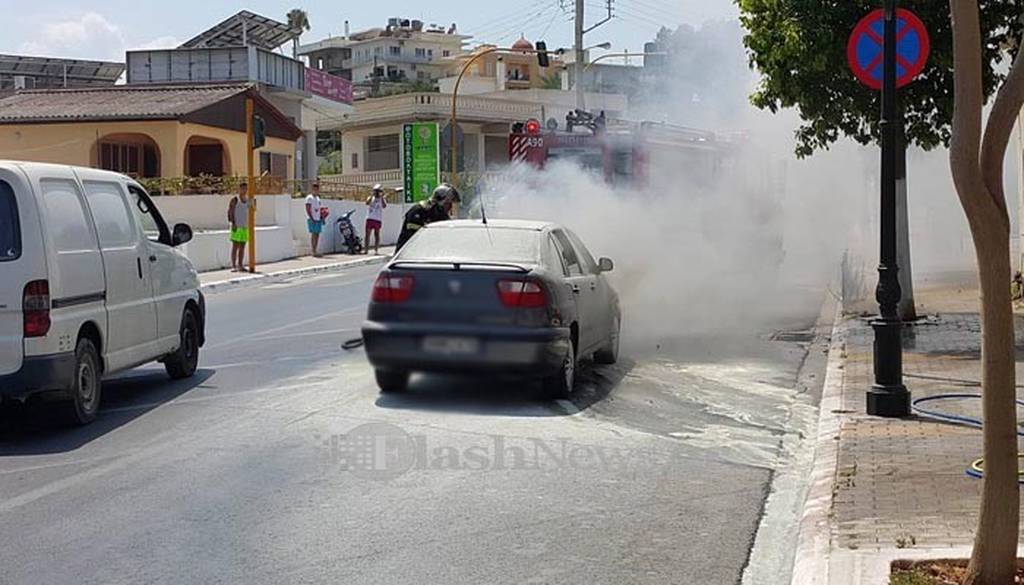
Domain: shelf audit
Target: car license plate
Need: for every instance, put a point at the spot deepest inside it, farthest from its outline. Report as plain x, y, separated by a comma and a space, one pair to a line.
451, 345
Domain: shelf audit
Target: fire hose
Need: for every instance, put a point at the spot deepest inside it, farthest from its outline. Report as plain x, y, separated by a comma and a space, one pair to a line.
977, 468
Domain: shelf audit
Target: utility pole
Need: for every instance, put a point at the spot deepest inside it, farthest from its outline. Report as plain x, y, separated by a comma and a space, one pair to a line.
251, 180
579, 54
888, 396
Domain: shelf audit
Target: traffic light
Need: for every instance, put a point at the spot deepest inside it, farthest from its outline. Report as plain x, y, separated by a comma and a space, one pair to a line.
518, 127
542, 54
259, 132
533, 126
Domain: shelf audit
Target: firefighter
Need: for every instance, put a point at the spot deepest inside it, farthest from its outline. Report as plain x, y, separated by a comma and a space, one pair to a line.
436, 208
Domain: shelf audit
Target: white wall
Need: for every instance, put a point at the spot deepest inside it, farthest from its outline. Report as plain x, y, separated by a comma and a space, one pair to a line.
330, 239
211, 250
281, 231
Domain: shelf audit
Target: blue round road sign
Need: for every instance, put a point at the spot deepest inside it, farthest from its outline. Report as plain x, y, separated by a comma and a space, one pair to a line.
864, 50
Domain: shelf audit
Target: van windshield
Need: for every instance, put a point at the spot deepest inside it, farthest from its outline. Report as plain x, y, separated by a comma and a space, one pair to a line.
10, 230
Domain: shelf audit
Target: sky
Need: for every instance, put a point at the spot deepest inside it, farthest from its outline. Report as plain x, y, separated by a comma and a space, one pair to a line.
104, 30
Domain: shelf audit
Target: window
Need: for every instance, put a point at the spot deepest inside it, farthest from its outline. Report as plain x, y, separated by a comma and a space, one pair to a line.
571, 263
121, 157
586, 260
148, 217
355, 160
421, 53
70, 227
430, 53
476, 243
395, 51
110, 214
382, 152
446, 53
10, 226
273, 164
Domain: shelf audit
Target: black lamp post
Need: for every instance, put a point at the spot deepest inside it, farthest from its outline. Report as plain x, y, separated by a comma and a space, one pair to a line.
888, 396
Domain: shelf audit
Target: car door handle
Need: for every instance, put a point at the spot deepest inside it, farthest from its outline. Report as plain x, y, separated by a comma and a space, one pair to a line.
138, 264
152, 258
575, 288
593, 285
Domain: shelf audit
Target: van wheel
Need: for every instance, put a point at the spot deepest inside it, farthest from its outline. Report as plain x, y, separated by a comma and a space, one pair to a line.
182, 363
392, 381
560, 385
86, 385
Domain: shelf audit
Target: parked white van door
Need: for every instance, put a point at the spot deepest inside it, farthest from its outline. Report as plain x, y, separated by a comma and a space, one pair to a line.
11, 321
131, 312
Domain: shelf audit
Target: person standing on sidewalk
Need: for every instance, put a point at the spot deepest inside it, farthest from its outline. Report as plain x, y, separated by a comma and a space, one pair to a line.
375, 205
314, 218
238, 217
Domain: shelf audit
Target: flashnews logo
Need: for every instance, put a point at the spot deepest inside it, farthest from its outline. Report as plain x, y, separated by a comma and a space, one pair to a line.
382, 451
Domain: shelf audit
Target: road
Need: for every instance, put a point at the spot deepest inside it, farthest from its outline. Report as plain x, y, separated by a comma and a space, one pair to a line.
279, 462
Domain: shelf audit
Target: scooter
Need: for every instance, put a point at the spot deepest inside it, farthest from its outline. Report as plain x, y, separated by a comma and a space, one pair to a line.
351, 243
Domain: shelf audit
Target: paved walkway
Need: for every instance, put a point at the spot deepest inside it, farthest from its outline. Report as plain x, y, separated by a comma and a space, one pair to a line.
294, 266
898, 487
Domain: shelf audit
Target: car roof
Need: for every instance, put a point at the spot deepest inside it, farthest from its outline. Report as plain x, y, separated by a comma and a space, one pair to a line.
520, 224
44, 166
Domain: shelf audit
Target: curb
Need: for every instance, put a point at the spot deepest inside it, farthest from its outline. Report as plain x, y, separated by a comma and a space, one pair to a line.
252, 279
814, 540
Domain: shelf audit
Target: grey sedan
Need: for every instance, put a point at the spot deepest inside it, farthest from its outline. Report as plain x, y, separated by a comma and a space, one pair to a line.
506, 297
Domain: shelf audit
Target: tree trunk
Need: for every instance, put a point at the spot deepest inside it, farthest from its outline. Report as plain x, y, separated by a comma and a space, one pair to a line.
993, 561
978, 180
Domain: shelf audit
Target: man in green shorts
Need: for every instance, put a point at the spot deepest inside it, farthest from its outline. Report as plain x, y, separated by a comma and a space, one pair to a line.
238, 216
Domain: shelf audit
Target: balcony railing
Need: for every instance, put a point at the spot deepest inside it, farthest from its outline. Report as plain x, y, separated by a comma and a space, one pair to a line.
413, 106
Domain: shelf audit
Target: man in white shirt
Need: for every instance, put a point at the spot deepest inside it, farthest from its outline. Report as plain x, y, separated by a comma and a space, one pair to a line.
314, 218
375, 205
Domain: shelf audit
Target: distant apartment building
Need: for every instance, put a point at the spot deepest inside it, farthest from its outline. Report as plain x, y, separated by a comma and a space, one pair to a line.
403, 51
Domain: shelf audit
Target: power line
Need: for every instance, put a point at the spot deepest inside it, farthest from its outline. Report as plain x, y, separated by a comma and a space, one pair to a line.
652, 14
646, 19
502, 23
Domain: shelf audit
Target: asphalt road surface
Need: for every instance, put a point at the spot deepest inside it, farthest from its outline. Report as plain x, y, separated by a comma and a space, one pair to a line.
280, 462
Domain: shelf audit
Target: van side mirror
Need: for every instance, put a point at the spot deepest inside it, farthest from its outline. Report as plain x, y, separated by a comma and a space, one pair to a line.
605, 265
182, 234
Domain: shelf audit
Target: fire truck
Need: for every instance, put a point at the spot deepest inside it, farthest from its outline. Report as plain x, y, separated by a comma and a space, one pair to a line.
623, 152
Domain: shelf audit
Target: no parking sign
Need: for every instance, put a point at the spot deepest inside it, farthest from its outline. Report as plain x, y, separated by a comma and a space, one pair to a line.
865, 48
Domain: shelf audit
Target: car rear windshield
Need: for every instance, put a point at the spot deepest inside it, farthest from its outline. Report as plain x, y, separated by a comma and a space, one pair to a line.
10, 230
474, 244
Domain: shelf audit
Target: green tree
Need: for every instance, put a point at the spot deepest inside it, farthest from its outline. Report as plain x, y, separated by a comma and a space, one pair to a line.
551, 81
799, 49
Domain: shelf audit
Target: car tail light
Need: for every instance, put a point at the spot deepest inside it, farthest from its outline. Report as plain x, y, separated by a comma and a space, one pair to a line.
522, 293
35, 305
392, 289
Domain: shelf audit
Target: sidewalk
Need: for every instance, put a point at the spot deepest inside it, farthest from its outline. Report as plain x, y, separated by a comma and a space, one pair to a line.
219, 279
889, 489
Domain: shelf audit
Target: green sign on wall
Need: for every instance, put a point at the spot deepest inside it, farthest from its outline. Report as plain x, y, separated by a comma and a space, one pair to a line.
421, 160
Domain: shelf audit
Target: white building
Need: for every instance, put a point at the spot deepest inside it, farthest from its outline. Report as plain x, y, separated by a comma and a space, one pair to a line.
404, 51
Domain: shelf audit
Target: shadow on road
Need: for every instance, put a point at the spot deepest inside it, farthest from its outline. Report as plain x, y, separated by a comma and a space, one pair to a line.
505, 397
38, 427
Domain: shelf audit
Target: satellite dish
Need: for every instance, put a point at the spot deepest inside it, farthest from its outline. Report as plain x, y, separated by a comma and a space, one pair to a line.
552, 124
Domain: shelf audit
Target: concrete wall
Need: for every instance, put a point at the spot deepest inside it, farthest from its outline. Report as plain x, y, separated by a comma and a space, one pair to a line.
281, 226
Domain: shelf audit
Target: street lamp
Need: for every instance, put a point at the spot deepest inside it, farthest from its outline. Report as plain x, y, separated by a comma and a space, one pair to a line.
888, 396
453, 166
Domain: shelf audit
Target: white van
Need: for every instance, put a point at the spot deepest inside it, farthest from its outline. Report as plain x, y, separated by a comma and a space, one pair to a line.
90, 284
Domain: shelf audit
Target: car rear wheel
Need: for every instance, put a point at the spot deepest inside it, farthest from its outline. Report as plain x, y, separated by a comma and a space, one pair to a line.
609, 354
392, 381
182, 363
85, 389
560, 385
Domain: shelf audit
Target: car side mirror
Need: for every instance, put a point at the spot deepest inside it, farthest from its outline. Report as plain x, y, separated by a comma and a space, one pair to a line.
182, 234
605, 265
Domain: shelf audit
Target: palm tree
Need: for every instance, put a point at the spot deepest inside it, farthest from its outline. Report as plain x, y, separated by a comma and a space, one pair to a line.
551, 81
298, 21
